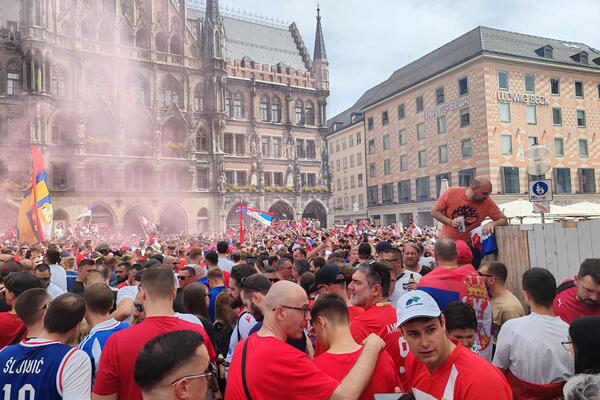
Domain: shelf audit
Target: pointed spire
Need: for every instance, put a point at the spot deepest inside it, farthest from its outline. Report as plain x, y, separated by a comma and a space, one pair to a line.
212, 11
319, 53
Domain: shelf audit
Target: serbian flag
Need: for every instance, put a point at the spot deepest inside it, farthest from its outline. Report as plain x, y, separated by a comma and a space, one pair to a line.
34, 222
485, 244
264, 217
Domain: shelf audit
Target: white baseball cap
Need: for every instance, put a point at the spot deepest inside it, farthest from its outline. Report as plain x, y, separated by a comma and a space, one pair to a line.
415, 304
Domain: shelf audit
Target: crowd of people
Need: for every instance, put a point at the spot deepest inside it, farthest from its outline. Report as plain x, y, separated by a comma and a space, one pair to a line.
295, 312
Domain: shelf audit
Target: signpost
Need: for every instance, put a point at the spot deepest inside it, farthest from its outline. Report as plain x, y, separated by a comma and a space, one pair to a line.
540, 190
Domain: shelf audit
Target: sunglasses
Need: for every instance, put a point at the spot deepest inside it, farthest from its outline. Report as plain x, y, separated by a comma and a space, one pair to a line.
182, 278
304, 309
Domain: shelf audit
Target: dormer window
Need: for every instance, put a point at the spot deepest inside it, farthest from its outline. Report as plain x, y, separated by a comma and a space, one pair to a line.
581, 57
596, 61
546, 52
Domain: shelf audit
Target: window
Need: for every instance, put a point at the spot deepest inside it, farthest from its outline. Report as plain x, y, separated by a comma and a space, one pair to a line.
372, 170
548, 52
559, 147
276, 109
510, 180
299, 113
587, 180
240, 177
502, 80
562, 179
401, 112
404, 162
370, 123
422, 185
337, 164
441, 125
532, 141
372, 196
276, 147
384, 118
201, 141
387, 193
420, 131
583, 148
310, 150
371, 146
339, 184
557, 116
198, 100
345, 183
309, 113
438, 182
439, 95
352, 181
350, 140
345, 163
463, 86
344, 143
506, 144
359, 159
599, 91
419, 104
300, 149
387, 167
360, 180
579, 89
529, 84
465, 177
443, 154
464, 117
466, 148
228, 143
351, 160
583, 58
422, 156
240, 144
404, 191
264, 109
530, 112
12, 83
358, 137
238, 108
386, 142
337, 145
581, 118
402, 137
361, 201
59, 85
555, 86
504, 111
59, 176
202, 178
278, 178
264, 146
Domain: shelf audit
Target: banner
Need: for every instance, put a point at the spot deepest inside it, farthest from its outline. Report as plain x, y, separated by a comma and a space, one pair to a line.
264, 217
34, 222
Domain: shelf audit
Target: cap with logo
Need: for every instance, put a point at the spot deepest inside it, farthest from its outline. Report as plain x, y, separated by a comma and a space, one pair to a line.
328, 274
416, 304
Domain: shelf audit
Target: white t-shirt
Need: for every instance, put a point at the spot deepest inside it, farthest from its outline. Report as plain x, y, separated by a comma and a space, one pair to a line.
189, 318
530, 348
54, 291
127, 292
244, 324
401, 285
225, 264
58, 276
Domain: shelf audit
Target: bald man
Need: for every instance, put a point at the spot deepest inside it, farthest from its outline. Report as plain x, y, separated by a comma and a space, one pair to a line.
471, 205
265, 367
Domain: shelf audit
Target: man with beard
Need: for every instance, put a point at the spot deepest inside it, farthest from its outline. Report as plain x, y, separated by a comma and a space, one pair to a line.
580, 296
245, 321
122, 272
253, 292
411, 254
463, 209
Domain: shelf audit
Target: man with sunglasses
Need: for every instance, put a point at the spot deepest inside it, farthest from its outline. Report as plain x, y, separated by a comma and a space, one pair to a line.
184, 373
185, 276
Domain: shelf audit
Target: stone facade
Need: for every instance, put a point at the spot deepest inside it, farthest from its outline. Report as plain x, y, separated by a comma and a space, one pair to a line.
157, 109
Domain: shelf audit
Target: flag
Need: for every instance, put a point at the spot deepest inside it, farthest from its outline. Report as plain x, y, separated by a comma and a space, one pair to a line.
485, 244
87, 212
35, 217
264, 217
147, 225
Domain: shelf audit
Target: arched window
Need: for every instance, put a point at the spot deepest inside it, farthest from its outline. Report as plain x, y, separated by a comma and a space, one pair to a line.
139, 89
299, 111
309, 113
142, 38
169, 91
174, 138
58, 86
264, 109
13, 78
201, 140
175, 45
161, 42
198, 99
276, 109
238, 106
228, 104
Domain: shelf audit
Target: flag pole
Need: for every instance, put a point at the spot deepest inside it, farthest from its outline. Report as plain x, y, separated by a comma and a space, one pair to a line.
241, 220
143, 228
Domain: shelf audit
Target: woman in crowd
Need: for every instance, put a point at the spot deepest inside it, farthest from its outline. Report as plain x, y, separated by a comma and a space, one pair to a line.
585, 345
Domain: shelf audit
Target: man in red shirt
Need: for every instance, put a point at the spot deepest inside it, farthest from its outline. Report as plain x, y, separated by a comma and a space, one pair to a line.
264, 367
115, 374
12, 328
330, 279
438, 367
580, 296
329, 316
369, 289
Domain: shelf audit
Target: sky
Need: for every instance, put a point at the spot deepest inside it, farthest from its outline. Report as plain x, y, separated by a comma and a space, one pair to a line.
368, 40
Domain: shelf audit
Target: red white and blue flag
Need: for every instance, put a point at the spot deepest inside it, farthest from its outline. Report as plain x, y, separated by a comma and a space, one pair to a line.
264, 217
485, 244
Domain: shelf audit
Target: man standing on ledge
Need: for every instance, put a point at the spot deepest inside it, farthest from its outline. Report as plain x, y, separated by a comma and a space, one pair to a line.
463, 209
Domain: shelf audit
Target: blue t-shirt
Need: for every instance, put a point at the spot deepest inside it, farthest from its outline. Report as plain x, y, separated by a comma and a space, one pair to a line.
71, 276
214, 292
94, 342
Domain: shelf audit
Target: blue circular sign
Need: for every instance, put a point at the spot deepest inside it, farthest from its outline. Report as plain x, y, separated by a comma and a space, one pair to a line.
540, 188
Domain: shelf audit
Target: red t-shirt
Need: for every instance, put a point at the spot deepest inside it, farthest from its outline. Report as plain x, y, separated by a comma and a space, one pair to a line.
10, 326
464, 376
115, 372
384, 380
380, 319
568, 307
276, 370
353, 312
454, 203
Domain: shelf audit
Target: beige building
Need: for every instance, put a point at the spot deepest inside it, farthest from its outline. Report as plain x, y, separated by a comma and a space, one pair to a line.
171, 110
472, 108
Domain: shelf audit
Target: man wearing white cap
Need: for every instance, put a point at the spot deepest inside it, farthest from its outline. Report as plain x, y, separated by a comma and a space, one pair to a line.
438, 367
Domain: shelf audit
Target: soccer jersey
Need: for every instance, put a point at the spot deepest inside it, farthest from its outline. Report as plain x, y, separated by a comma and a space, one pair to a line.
94, 342
241, 330
568, 307
44, 369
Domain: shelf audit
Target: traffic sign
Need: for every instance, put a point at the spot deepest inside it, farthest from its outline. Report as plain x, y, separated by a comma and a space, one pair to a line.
541, 207
355, 207
540, 190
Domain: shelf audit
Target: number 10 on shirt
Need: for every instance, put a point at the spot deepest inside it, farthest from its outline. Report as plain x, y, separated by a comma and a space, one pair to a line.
27, 392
